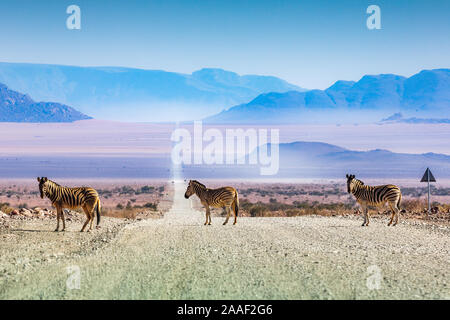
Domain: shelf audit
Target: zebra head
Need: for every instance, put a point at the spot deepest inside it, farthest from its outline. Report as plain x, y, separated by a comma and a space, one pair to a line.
350, 182
190, 190
42, 185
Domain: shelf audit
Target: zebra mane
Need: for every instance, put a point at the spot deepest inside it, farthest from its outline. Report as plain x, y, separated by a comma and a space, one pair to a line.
198, 183
53, 182
359, 181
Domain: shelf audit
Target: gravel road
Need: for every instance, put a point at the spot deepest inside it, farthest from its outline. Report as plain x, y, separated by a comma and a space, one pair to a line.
176, 257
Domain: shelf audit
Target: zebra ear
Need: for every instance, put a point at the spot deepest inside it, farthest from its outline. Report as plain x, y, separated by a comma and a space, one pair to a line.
44, 179
352, 176
346, 175
38, 179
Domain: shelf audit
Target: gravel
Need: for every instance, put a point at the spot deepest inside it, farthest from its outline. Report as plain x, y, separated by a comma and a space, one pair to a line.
177, 257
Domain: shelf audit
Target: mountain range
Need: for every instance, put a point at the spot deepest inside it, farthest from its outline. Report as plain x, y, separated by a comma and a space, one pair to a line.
322, 159
301, 160
322, 156
399, 118
18, 107
425, 94
126, 94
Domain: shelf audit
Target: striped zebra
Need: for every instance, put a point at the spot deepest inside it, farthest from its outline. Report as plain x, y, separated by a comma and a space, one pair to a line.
226, 198
71, 198
375, 196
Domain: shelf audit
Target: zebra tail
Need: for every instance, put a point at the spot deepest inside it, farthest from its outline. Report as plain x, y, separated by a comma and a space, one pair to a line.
398, 202
98, 212
236, 204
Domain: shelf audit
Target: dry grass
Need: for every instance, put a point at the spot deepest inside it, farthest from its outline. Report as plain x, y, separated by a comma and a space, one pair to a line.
130, 211
420, 206
122, 214
411, 209
277, 209
6, 208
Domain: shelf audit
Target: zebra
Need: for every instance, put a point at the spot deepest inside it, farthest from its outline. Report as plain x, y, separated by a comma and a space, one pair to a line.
226, 198
375, 196
71, 198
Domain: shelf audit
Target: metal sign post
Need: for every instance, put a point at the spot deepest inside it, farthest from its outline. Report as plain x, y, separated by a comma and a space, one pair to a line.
428, 177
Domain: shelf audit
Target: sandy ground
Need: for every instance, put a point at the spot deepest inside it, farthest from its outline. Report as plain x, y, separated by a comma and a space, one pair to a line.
95, 137
176, 257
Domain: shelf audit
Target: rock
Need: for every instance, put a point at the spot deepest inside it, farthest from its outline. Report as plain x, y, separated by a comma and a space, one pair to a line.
26, 213
40, 214
435, 210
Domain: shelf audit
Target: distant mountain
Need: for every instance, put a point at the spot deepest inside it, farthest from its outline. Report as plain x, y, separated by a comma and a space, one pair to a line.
116, 93
18, 107
398, 118
426, 94
317, 160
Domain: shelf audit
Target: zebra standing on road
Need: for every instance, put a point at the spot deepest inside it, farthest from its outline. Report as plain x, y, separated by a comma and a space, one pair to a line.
226, 198
375, 196
70, 198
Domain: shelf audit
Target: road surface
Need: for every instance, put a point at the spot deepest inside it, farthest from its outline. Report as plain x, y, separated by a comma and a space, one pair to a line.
176, 257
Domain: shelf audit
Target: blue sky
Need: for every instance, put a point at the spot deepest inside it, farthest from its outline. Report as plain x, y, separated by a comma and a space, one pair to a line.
309, 43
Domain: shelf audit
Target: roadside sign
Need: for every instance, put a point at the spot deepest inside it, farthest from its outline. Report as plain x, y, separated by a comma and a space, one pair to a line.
428, 177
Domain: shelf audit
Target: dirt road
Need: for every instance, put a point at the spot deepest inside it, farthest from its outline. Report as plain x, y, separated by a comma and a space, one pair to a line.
176, 257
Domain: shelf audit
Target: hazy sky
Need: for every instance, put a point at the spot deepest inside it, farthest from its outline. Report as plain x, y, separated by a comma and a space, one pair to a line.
310, 43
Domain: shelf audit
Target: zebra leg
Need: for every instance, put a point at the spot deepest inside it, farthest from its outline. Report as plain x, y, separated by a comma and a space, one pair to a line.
63, 220
207, 215
363, 212
88, 217
368, 216
397, 211
392, 216
57, 219
228, 209
92, 220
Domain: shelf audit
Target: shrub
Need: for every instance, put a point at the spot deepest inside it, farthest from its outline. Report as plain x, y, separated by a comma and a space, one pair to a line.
152, 206
129, 206
4, 207
274, 208
23, 206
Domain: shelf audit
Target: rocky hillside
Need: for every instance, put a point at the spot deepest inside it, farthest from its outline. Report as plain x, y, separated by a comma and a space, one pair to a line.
18, 107
373, 97
116, 93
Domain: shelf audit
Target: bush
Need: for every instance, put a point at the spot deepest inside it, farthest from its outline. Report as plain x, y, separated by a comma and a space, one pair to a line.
146, 190
151, 206
274, 208
4, 207
258, 210
23, 206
